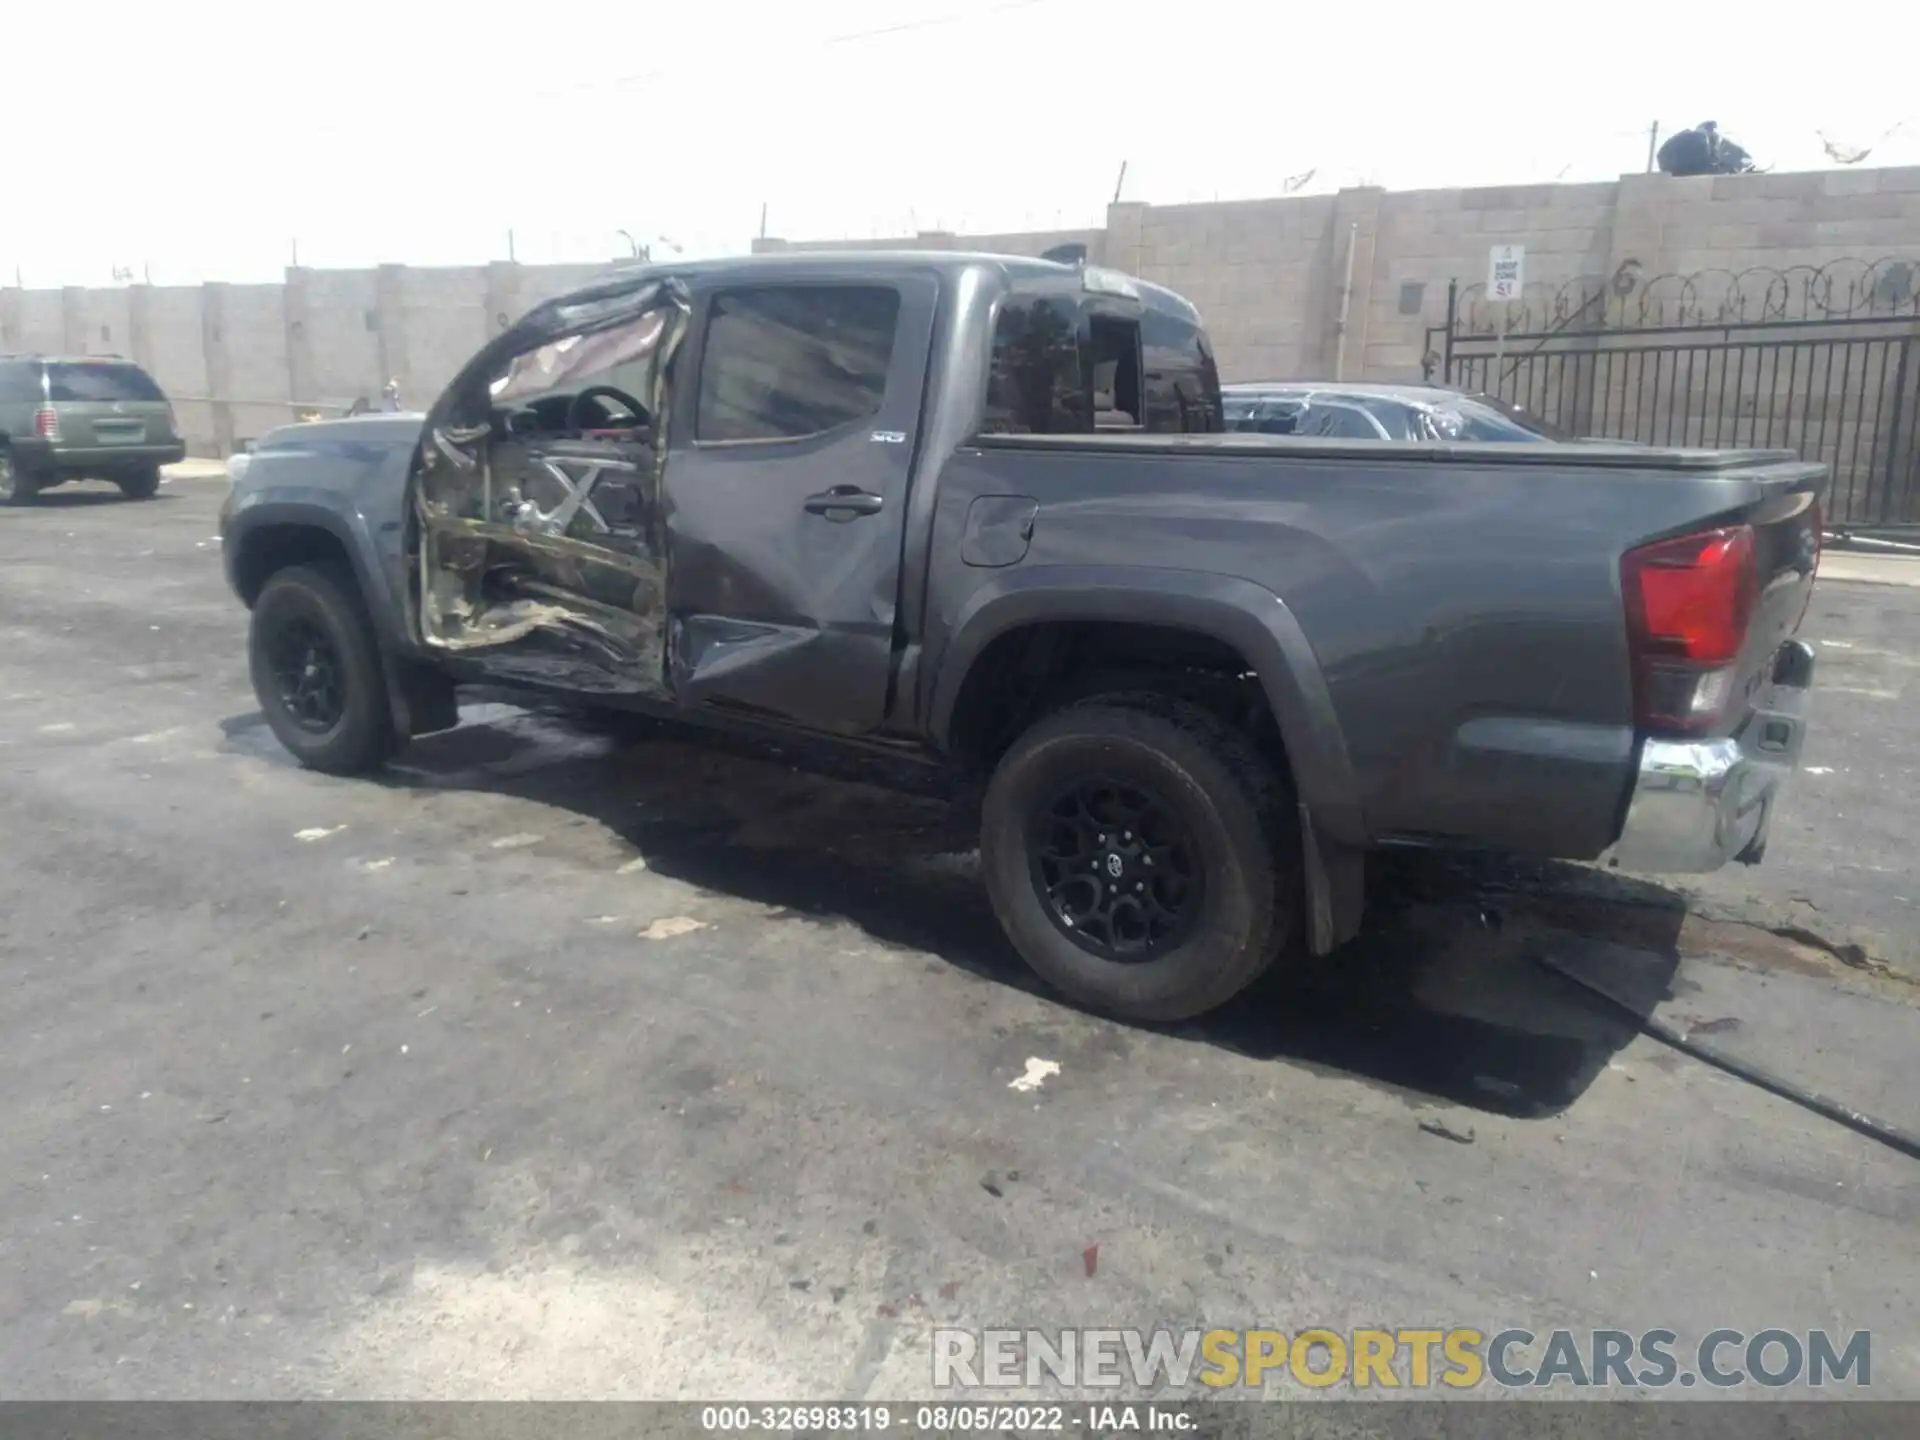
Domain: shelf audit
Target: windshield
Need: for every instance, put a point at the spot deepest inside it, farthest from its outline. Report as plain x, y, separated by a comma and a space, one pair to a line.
622, 357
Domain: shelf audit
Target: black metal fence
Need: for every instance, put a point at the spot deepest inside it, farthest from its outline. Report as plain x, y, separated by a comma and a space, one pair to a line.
1824, 361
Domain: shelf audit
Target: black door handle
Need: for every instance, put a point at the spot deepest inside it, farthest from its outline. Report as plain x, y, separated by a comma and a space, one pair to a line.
844, 503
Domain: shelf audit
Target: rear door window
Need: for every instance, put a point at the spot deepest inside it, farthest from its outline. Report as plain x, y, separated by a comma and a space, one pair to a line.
1036, 384
789, 361
101, 384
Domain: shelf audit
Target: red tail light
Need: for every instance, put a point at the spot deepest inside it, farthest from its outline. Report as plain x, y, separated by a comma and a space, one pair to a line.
46, 423
1689, 602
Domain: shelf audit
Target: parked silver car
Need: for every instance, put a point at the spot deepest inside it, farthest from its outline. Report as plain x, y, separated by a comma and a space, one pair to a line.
1380, 412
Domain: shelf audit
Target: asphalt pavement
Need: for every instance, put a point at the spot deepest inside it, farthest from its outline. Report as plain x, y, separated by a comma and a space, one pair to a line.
571, 1059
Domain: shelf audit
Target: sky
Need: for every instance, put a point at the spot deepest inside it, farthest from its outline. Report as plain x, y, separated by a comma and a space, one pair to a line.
200, 140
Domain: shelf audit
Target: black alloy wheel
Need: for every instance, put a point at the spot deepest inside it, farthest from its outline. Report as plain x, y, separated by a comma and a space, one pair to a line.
306, 675
1117, 869
1142, 855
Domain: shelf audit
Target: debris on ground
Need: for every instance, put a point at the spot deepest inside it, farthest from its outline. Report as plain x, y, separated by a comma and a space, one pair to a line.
671, 926
1036, 1074
1447, 1132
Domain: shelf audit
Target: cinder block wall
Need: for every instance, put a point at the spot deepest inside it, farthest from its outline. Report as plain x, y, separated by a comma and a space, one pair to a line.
1269, 275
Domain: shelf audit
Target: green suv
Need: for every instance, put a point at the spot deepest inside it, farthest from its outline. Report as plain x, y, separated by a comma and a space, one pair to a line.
88, 417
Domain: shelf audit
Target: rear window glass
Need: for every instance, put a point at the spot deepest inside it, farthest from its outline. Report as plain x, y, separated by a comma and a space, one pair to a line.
1183, 386
100, 383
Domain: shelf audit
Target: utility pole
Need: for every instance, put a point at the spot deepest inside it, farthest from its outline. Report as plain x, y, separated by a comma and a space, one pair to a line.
763, 219
510, 255
1120, 183
1653, 140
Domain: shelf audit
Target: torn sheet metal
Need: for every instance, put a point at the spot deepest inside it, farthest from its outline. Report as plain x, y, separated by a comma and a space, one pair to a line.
540, 527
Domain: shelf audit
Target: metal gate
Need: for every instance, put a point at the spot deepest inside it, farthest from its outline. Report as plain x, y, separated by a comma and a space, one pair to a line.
1823, 361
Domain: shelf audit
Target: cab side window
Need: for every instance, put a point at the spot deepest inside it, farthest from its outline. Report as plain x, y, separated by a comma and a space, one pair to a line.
784, 362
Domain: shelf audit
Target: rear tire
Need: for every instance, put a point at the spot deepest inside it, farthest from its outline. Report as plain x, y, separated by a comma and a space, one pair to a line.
16, 487
1142, 933
316, 670
141, 484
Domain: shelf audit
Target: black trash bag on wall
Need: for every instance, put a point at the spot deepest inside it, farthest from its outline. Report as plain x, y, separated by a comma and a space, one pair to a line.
1703, 150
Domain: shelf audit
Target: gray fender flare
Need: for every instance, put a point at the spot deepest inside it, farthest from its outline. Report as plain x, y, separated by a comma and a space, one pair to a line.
349, 530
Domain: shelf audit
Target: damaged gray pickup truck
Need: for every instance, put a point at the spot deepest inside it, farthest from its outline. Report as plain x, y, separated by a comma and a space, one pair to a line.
981, 511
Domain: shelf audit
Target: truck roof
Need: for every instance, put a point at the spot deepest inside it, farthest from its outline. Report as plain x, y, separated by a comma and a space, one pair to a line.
1024, 271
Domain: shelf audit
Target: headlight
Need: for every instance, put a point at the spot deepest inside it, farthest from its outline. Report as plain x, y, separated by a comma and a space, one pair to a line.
237, 467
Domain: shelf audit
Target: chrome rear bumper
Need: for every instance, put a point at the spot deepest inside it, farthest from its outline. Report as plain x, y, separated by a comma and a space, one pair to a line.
1698, 804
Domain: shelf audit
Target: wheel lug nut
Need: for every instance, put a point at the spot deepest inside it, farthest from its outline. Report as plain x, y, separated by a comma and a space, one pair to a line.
1138, 886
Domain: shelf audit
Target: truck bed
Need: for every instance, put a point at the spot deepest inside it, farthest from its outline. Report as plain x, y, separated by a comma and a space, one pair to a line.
1462, 603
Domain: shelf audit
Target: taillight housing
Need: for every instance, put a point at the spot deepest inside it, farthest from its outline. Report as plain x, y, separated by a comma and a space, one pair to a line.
1689, 602
46, 423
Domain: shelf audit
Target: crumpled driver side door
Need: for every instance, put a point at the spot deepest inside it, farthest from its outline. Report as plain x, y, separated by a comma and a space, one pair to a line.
541, 552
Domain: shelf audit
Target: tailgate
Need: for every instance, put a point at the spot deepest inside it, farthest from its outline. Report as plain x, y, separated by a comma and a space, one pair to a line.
1786, 543
103, 426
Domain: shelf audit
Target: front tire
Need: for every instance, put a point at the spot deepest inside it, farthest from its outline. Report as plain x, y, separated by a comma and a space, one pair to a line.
141, 484
316, 671
1140, 855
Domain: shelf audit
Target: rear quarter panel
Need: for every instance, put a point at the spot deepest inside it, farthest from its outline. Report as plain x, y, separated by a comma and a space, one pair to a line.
1462, 607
